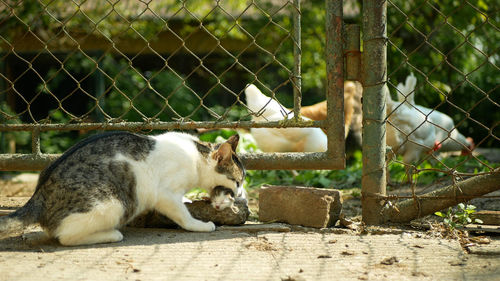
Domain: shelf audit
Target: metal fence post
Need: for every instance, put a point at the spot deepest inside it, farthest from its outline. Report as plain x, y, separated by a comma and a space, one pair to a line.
3, 94
335, 78
374, 77
297, 58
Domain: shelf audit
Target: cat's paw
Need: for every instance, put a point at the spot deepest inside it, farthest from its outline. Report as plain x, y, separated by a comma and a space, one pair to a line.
201, 226
210, 226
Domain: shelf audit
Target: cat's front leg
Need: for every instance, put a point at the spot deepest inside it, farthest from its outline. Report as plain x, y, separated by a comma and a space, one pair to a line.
175, 209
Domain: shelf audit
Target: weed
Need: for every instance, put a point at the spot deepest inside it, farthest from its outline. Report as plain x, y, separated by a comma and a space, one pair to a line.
460, 216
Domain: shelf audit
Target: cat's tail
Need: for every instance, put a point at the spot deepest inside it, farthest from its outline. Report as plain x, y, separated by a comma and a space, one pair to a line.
27, 215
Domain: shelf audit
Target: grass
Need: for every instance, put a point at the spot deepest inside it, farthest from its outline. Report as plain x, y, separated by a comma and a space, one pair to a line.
431, 170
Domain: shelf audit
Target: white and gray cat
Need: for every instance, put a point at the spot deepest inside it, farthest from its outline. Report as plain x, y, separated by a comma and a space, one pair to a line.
105, 181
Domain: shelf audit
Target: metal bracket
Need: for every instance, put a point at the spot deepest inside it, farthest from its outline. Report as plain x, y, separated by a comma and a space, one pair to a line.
352, 52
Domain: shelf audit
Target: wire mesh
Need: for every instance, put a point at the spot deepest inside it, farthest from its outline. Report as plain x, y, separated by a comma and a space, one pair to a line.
443, 111
66, 35
146, 65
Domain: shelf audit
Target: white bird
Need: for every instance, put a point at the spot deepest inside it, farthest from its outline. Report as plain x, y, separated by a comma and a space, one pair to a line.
448, 138
408, 133
264, 108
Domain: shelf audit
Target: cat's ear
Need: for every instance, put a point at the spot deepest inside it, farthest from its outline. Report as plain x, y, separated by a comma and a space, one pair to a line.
233, 141
224, 153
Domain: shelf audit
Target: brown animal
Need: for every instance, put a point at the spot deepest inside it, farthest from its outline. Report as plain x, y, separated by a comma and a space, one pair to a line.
352, 108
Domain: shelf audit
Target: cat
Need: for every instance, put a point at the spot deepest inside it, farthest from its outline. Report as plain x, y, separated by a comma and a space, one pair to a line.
106, 180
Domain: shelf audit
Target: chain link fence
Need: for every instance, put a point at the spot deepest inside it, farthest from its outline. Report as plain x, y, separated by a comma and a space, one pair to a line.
443, 105
72, 67
98, 49
148, 65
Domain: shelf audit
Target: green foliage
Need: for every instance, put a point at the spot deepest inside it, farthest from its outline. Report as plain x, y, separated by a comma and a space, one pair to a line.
146, 96
59, 141
196, 194
21, 139
459, 216
129, 93
356, 193
28, 12
116, 19
431, 170
211, 136
340, 179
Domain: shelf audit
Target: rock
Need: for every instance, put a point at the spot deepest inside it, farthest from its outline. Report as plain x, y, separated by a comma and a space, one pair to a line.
200, 209
306, 206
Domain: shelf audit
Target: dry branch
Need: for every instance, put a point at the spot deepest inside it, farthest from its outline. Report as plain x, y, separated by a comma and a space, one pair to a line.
445, 197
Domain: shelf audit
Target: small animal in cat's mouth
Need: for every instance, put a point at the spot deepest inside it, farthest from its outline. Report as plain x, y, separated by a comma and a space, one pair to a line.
222, 198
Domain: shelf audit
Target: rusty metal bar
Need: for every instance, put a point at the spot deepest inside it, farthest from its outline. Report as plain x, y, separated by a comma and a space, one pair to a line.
448, 196
25, 162
3, 98
295, 161
297, 58
257, 161
374, 78
100, 89
35, 141
335, 82
186, 125
352, 52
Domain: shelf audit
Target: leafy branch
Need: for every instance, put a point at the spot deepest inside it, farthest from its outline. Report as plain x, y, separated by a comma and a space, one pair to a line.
459, 217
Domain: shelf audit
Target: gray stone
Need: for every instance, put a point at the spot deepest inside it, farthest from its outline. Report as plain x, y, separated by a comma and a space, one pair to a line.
306, 206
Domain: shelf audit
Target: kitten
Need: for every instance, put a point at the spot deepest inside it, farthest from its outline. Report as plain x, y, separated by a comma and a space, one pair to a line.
105, 181
222, 198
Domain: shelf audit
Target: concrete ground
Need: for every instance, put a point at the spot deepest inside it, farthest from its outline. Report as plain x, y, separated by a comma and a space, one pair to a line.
253, 252
250, 252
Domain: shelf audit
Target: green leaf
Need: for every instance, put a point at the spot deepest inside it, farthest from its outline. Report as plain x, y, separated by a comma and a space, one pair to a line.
324, 181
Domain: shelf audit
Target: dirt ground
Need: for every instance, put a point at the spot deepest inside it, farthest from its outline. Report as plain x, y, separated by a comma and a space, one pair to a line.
251, 252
